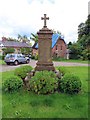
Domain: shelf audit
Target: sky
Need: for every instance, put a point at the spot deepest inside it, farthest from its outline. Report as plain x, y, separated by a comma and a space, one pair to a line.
24, 17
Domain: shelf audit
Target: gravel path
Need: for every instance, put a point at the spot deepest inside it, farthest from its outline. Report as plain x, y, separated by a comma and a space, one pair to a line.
33, 64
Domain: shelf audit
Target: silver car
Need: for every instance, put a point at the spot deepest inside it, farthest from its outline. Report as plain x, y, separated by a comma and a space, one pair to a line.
16, 59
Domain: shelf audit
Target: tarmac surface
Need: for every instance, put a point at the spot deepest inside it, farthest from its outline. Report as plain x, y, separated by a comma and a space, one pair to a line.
33, 64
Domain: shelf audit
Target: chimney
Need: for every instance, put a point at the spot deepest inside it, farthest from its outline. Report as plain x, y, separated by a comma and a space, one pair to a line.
4, 39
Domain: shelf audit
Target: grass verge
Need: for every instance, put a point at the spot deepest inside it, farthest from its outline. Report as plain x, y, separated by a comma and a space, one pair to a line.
70, 60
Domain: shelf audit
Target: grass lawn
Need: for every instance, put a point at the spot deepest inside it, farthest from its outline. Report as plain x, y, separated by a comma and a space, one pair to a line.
2, 62
70, 60
25, 104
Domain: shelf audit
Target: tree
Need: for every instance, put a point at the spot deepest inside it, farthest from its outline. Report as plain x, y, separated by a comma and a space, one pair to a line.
23, 38
87, 26
11, 39
34, 37
86, 54
69, 44
58, 32
8, 50
84, 33
19, 37
54, 31
84, 38
25, 51
8, 39
81, 30
76, 51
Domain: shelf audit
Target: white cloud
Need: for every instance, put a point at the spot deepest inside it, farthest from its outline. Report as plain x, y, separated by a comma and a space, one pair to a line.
24, 16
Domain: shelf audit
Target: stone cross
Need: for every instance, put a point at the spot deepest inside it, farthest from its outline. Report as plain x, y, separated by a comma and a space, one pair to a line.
45, 18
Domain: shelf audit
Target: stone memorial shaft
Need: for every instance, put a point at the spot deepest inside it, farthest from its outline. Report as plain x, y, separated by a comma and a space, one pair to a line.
44, 48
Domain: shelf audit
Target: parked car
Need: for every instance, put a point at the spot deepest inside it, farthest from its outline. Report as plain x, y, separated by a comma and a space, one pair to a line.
28, 56
16, 59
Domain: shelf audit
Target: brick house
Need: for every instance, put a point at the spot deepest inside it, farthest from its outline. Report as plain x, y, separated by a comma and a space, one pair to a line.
59, 47
12, 44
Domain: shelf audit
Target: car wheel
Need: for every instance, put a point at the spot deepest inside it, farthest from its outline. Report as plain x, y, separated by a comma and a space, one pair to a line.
27, 61
8, 63
16, 62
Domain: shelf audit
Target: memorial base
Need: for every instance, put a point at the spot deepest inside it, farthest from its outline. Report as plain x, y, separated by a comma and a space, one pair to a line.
44, 66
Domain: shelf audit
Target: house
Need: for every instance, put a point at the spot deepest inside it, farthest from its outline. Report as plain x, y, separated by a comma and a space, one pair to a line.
59, 47
12, 44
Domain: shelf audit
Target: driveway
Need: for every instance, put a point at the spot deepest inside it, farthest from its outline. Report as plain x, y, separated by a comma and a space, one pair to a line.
33, 64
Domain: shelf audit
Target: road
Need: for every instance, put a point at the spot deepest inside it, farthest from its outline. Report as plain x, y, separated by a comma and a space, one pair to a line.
33, 64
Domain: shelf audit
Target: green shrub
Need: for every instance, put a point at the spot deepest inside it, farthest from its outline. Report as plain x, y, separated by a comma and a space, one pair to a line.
62, 70
70, 84
8, 50
2, 57
32, 57
86, 54
22, 71
12, 83
44, 82
36, 57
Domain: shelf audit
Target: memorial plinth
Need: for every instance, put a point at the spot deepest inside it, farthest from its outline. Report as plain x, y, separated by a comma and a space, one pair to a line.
44, 49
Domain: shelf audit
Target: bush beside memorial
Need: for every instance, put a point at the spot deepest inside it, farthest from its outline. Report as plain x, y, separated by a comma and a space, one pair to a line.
44, 82
12, 84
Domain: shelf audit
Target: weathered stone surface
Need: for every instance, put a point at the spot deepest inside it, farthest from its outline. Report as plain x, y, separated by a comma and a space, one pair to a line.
45, 50
58, 74
44, 66
27, 79
29, 75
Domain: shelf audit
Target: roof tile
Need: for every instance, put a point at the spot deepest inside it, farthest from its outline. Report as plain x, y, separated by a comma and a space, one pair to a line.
14, 44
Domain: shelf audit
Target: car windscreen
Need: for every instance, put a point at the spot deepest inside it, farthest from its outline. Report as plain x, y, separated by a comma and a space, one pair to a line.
10, 56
